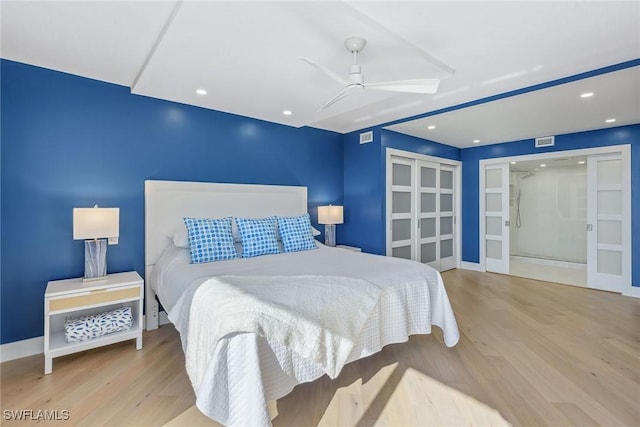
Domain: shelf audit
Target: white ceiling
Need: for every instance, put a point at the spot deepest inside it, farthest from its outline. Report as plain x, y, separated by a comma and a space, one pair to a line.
245, 55
551, 111
528, 166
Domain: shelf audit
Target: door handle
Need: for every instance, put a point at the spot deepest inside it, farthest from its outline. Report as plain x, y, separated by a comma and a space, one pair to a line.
589, 227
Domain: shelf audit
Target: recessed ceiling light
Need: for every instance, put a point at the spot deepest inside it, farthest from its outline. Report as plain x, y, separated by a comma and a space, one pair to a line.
287, 112
201, 91
475, 141
610, 121
431, 127
513, 163
581, 162
586, 95
543, 165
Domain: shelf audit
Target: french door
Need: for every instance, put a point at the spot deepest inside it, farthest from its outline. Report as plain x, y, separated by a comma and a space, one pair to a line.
496, 218
606, 225
422, 212
608, 217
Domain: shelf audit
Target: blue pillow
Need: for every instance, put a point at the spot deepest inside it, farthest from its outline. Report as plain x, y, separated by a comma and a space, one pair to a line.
258, 236
210, 239
296, 233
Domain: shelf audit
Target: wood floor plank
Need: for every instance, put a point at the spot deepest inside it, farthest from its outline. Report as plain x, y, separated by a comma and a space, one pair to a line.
530, 353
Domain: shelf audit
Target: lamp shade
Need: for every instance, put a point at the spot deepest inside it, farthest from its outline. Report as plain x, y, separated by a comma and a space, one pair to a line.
95, 223
330, 214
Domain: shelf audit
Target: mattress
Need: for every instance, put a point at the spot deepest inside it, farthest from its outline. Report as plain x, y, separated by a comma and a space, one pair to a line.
248, 370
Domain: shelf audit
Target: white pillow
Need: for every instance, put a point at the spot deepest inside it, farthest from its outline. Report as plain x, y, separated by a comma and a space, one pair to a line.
181, 238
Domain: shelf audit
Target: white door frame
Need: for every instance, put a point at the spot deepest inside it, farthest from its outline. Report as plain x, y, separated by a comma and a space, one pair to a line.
457, 176
625, 152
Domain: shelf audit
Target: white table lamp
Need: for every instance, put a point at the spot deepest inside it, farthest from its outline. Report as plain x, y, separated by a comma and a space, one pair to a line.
94, 225
330, 216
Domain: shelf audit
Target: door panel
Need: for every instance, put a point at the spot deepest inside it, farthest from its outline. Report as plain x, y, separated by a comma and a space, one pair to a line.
605, 222
447, 214
496, 217
403, 233
428, 207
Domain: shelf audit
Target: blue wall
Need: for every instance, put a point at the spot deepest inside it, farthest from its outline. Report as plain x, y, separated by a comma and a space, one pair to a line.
605, 137
70, 142
364, 184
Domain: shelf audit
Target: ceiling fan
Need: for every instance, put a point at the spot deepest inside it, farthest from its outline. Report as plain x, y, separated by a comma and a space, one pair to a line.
355, 81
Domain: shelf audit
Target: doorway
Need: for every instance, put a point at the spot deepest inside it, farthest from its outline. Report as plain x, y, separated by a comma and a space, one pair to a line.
601, 207
548, 219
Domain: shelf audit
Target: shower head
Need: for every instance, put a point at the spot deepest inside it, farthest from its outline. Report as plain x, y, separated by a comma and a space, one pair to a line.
529, 174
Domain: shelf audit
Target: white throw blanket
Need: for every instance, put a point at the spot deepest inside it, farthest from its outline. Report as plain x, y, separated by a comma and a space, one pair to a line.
318, 317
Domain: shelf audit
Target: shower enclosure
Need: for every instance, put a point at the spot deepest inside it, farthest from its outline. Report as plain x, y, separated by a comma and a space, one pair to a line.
548, 220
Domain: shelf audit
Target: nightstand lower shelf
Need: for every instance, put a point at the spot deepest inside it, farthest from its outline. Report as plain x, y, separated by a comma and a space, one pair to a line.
59, 346
74, 299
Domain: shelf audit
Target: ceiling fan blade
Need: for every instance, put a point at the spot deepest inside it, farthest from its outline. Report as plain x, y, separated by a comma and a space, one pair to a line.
343, 93
426, 86
333, 75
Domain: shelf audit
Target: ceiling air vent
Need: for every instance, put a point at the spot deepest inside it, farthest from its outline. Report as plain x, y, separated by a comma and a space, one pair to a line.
546, 141
366, 137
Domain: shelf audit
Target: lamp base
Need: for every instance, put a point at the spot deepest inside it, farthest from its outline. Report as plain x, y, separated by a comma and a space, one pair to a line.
330, 235
95, 260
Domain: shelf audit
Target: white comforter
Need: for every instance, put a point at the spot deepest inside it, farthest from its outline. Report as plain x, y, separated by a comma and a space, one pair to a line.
246, 370
318, 317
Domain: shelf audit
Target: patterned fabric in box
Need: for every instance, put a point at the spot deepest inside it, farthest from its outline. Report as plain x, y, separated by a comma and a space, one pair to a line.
296, 233
210, 239
258, 236
84, 328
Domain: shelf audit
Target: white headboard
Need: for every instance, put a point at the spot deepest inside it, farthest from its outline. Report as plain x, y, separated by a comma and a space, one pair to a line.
168, 202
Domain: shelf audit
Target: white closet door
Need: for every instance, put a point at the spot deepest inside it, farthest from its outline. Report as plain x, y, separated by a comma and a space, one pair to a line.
447, 219
428, 214
403, 234
606, 225
496, 217
435, 202
421, 205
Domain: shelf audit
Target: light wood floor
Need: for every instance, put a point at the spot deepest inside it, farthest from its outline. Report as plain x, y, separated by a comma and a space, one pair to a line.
531, 352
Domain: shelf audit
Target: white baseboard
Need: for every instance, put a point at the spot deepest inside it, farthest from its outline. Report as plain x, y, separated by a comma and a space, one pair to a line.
24, 348
473, 266
635, 292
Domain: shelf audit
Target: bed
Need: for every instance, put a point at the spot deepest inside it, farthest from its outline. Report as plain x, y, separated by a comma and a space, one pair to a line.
372, 301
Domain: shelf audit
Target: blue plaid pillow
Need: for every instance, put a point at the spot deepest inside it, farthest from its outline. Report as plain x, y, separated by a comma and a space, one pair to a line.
296, 234
210, 239
258, 236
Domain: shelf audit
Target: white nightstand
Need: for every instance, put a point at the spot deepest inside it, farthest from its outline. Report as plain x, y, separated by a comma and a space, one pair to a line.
349, 248
72, 298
